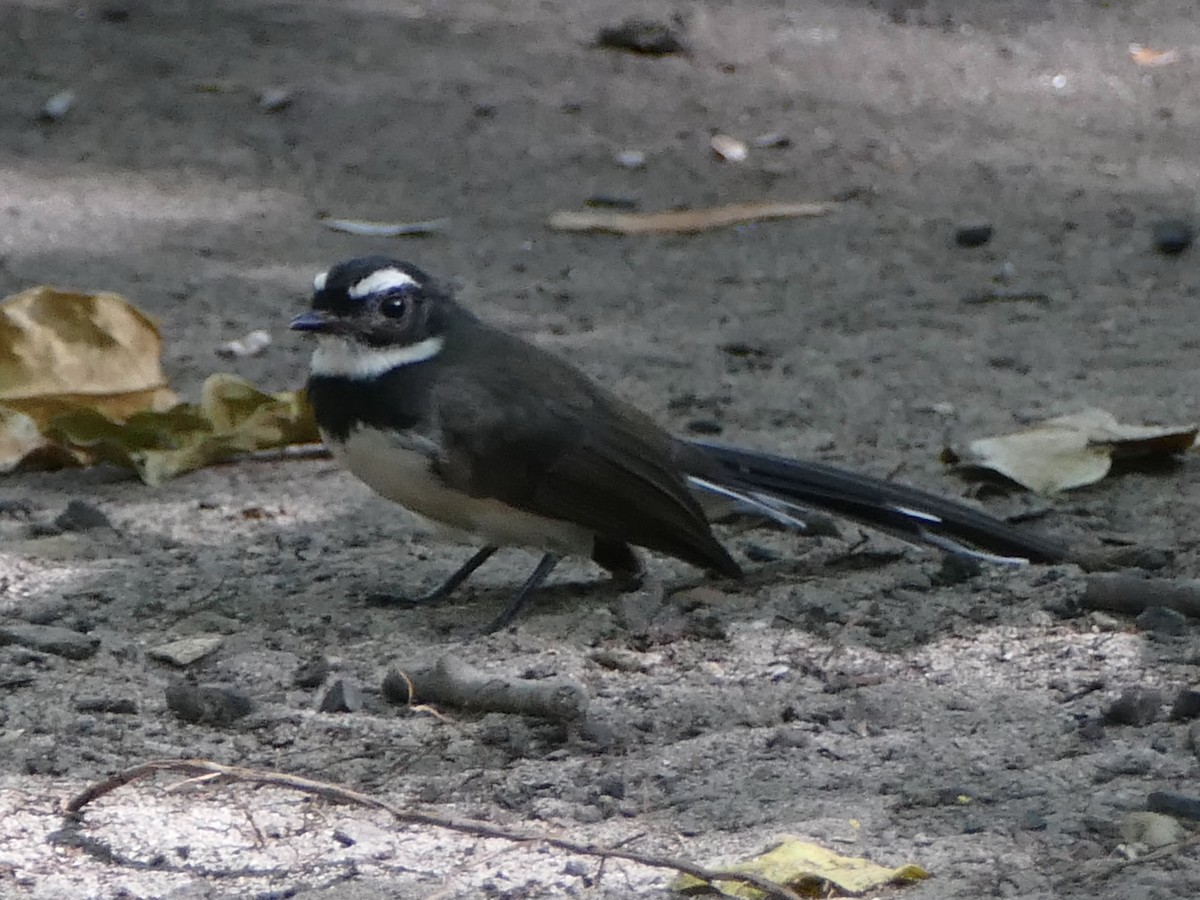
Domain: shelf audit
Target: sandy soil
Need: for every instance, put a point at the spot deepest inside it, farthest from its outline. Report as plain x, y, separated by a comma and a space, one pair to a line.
844, 693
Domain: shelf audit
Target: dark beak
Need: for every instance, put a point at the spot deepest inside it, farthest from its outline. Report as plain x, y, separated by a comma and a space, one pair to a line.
311, 321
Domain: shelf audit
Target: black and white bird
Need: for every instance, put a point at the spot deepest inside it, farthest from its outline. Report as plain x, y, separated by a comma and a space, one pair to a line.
478, 430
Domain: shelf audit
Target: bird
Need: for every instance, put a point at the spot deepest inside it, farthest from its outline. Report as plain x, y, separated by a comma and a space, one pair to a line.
495, 438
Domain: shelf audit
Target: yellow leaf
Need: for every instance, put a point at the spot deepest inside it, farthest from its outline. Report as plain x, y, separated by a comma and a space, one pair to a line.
233, 417
263, 420
61, 350
808, 869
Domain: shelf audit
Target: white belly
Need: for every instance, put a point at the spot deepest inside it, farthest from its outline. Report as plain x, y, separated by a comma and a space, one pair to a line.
398, 469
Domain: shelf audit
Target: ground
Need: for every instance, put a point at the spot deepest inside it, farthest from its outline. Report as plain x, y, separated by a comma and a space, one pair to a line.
846, 692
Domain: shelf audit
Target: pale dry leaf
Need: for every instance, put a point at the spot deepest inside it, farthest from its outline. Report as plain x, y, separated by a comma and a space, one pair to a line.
61, 350
808, 869
1070, 451
233, 417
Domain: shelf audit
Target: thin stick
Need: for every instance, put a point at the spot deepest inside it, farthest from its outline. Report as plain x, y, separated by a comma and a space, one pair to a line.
198, 768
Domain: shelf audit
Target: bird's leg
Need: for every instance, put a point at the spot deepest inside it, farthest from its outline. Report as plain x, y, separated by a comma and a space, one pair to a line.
447, 587
621, 562
544, 568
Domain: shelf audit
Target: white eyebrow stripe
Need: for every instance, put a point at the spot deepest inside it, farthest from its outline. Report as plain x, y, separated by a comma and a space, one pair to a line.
383, 280
319, 281
337, 357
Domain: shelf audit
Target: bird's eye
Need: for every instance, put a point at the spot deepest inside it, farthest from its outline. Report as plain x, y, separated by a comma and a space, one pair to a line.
393, 307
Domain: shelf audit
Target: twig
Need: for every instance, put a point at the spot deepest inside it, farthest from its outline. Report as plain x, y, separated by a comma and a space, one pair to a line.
452, 682
1153, 856
1129, 595
203, 767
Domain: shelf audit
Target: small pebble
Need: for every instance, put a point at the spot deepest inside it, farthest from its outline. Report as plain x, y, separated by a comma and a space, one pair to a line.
1172, 236
575, 869
772, 139
207, 705
611, 201
1162, 620
973, 235
631, 159
728, 148
1186, 705
51, 639
80, 516
621, 660
396, 688
645, 36
274, 99
56, 108
186, 651
1173, 803
342, 696
117, 705
789, 739
344, 839
312, 673
1136, 707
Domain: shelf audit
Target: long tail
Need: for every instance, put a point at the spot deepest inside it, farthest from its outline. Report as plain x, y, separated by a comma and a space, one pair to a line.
784, 489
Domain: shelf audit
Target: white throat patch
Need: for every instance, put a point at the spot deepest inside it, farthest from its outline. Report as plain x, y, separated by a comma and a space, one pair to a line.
379, 282
337, 357
319, 281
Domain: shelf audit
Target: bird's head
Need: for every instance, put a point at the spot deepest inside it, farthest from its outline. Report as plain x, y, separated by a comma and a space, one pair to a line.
371, 315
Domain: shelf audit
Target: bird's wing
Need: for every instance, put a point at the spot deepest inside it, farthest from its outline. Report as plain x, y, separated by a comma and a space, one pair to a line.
580, 455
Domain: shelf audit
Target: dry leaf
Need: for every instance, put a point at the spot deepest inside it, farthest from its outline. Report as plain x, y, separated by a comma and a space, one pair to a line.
688, 221
62, 349
1070, 451
81, 381
808, 869
233, 417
